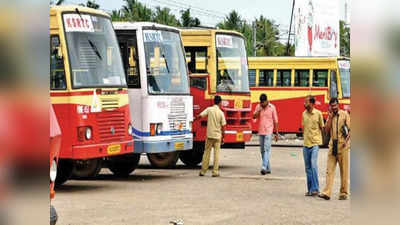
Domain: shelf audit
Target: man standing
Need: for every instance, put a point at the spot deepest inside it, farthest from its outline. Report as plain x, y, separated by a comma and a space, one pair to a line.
338, 124
215, 135
313, 124
265, 112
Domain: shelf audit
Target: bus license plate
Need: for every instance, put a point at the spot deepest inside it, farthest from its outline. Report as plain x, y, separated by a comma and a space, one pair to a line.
179, 145
113, 149
239, 136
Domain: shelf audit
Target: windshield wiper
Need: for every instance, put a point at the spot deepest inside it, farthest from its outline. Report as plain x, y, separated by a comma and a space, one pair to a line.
166, 62
95, 49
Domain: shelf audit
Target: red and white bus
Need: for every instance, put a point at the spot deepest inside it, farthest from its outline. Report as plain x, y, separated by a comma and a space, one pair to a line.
88, 92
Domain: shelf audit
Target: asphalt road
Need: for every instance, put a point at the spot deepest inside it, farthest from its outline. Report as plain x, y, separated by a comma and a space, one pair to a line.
240, 196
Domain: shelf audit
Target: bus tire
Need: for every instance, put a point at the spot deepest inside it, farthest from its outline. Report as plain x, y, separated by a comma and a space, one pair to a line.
123, 165
53, 215
86, 168
193, 157
64, 171
163, 160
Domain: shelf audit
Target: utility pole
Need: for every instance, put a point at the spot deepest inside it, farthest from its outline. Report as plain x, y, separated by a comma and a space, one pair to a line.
290, 30
254, 38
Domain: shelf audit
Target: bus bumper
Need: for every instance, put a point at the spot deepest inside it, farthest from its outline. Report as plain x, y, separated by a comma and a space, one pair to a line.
102, 150
237, 136
175, 144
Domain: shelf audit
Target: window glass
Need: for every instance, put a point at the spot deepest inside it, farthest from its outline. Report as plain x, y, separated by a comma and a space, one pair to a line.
320, 78
196, 57
266, 78
334, 90
252, 78
283, 78
198, 82
344, 69
129, 53
302, 78
57, 71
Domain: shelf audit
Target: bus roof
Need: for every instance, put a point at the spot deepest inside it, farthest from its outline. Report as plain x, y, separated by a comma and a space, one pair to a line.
296, 58
206, 31
135, 25
72, 8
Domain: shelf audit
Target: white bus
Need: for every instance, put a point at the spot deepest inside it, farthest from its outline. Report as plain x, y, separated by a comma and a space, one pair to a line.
158, 87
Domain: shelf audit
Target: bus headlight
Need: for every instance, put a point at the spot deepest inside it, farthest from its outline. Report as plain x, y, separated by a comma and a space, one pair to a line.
158, 128
88, 133
53, 171
130, 129
190, 125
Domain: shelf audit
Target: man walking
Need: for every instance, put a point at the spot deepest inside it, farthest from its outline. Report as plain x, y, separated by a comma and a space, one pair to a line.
313, 124
215, 135
267, 116
338, 124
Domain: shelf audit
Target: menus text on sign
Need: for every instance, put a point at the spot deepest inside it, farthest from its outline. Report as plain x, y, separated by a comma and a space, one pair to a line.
76, 23
152, 36
224, 41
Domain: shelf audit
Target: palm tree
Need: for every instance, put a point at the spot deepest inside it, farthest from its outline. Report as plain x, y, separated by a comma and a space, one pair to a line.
233, 21
187, 20
164, 16
133, 10
116, 15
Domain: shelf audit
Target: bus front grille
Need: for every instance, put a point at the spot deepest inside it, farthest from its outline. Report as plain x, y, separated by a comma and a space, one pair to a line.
111, 126
109, 103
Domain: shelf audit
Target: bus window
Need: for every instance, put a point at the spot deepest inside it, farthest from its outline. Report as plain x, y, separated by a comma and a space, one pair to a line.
198, 82
196, 58
267, 78
130, 59
252, 77
320, 78
302, 78
57, 72
344, 70
283, 78
334, 90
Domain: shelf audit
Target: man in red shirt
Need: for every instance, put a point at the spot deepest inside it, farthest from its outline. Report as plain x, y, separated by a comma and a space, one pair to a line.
266, 113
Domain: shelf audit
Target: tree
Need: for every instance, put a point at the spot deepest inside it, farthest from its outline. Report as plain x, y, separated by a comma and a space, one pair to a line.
59, 2
268, 38
116, 15
133, 10
233, 21
187, 20
344, 39
92, 4
164, 16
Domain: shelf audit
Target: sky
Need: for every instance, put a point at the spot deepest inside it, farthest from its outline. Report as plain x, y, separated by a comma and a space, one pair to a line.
210, 12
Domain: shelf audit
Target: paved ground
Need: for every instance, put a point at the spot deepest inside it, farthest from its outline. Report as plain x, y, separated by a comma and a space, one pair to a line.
240, 196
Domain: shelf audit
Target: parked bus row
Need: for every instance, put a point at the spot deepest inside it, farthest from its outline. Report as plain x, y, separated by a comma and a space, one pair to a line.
124, 89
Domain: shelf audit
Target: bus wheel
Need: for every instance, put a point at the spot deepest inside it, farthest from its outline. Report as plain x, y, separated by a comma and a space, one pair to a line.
163, 160
191, 158
64, 171
86, 168
123, 165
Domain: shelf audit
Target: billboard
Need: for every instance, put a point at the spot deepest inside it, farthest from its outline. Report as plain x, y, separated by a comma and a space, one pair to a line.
317, 28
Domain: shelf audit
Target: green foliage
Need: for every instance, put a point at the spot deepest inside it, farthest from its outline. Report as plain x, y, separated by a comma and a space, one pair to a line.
164, 16
344, 39
187, 20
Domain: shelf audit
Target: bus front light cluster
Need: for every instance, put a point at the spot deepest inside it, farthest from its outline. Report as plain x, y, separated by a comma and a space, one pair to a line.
155, 129
53, 171
130, 131
190, 125
84, 133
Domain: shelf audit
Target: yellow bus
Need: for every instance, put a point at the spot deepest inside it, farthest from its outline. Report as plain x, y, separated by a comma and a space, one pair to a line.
287, 80
217, 63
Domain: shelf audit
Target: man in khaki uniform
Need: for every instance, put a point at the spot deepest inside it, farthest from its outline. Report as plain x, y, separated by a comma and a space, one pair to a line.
337, 121
215, 135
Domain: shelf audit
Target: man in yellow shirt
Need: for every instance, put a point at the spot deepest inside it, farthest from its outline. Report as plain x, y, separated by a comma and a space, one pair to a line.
313, 124
338, 124
215, 135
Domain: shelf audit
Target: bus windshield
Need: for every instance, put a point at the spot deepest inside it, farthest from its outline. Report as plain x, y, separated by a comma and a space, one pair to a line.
165, 62
344, 70
232, 67
93, 51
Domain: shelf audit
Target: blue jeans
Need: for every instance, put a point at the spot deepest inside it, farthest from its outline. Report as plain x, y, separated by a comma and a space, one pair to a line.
265, 147
310, 155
